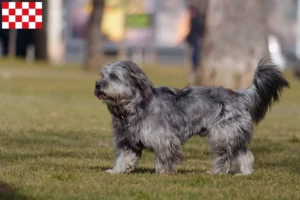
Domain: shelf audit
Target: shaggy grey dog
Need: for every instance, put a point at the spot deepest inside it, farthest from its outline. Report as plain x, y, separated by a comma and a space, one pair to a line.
162, 119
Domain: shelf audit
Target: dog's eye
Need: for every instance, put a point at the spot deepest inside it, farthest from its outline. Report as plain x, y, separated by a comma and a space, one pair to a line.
113, 76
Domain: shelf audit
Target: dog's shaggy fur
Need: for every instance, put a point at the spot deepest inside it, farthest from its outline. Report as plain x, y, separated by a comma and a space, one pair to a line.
162, 119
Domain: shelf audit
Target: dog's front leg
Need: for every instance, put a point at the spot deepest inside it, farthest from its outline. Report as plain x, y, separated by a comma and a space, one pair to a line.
168, 156
164, 167
126, 160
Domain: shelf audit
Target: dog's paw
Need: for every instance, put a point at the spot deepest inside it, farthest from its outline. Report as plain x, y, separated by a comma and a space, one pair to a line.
242, 174
110, 171
113, 171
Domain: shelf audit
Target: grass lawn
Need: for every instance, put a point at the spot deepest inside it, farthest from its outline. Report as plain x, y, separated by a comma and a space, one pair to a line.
55, 143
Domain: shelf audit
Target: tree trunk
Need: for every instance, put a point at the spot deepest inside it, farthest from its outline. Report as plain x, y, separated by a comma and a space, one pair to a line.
12, 43
40, 36
235, 40
93, 43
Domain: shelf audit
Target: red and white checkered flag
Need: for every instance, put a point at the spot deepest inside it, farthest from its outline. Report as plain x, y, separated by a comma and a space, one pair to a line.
22, 15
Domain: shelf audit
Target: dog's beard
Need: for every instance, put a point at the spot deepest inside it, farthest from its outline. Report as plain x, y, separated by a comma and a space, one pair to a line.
100, 95
108, 93
113, 100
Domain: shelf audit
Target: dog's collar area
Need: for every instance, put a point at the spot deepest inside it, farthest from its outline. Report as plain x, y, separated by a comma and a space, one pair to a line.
124, 120
120, 112
122, 117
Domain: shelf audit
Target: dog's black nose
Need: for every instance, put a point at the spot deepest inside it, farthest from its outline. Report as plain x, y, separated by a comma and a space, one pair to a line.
99, 84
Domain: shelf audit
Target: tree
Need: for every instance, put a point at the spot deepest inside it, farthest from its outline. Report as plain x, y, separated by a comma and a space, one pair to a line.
12, 42
235, 40
93, 41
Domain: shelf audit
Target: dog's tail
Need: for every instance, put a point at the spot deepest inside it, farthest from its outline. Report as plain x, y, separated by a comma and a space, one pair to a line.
268, 83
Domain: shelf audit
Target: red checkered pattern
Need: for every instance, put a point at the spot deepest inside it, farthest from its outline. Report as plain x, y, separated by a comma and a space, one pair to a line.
22, 15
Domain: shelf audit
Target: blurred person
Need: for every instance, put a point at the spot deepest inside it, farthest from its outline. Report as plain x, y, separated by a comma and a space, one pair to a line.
195, 38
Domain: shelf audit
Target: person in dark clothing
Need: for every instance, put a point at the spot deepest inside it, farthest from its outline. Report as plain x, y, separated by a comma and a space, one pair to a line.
3, 34
194, 38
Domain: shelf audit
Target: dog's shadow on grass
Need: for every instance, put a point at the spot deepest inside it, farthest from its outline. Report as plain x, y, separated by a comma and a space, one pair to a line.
137, 171
145, 170
8, 193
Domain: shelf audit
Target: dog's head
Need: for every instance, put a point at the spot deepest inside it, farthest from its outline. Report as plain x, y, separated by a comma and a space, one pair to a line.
122, 82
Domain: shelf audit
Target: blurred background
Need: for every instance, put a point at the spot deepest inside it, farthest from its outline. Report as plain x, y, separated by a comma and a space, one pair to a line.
55, 136
233, 35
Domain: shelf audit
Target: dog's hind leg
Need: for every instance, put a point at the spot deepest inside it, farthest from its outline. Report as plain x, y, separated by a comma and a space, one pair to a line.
221, 146
126, 160
228, 138
244, 162
222, 163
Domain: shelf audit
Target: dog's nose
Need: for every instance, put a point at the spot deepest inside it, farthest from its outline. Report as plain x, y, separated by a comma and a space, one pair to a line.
99, 84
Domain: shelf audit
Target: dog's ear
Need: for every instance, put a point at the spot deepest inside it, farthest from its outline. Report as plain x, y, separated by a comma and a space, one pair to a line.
140, 80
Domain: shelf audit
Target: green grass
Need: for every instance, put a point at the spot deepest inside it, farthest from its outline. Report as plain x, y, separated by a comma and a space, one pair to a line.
55, 143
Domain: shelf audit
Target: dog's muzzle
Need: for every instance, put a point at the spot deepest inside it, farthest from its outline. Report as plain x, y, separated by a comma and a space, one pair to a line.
98, 92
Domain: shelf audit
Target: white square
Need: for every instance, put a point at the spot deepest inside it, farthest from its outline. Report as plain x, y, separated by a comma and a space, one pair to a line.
12, 18
19, 25
18, 12
11, 5
38, 18
25, 18
5, 11
31, 25
39, 5
4, 25
25, 5
31, 12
